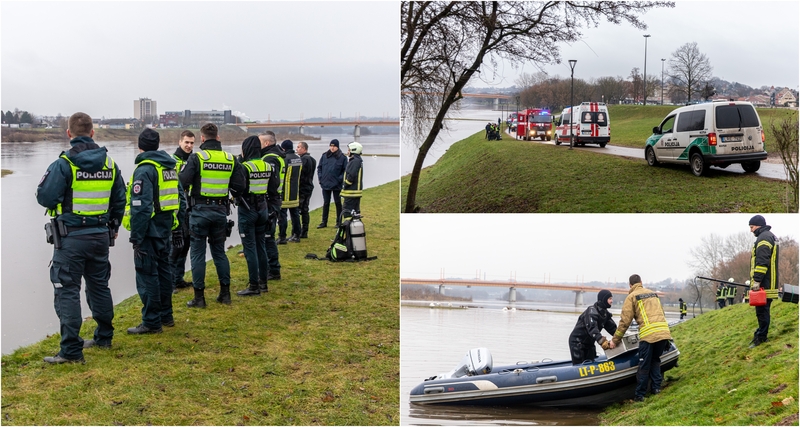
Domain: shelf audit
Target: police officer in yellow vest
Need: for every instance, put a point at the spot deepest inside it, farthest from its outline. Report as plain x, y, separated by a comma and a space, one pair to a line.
291, 194
763, 273
85, 193
211, 173
353, 182
261, 193
155, 201
644, 306
180, 236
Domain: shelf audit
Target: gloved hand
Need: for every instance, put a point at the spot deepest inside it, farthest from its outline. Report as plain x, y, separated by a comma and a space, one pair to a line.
138, 253
177, 239
605, 345
755, 286
272, 215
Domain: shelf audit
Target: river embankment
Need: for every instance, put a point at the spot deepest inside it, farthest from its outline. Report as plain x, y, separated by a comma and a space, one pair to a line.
227, 133
322, 347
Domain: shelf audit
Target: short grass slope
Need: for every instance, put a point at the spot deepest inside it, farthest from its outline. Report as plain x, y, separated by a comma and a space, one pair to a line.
321, 348
719, 380
476, 175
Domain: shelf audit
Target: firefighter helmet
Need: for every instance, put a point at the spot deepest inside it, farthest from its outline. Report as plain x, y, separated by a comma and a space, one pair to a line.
355, 147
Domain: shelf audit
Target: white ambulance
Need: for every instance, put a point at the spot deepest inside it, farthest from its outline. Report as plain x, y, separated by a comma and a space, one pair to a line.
589, 122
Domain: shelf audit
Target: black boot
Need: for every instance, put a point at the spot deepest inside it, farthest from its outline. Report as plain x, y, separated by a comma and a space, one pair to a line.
294, 239
251, 290
224, 296
262, 286
199, 300
304, 233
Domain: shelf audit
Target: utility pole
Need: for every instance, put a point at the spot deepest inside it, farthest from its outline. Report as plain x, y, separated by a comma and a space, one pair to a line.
644, 79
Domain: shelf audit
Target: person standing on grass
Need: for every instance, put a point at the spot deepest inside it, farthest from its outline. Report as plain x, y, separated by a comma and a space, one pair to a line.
154, 203
644, 306
85, 194
291, 194
178, 253
353, 182
306, 185
330, 173
272, 154
763, 273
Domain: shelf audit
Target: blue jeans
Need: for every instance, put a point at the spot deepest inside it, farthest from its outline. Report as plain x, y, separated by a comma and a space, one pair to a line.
86, 257
649, 366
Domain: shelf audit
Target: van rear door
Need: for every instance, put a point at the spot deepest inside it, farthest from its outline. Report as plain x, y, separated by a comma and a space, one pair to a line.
738, 129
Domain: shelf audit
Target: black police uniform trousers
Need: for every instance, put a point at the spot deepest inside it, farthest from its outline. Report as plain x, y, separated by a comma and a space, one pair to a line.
209, 222
350, 204
154, 281
294, 213
83, 256
649, 366
272, 246
305, 218
253, 226
177, 257
762, 314
326, 204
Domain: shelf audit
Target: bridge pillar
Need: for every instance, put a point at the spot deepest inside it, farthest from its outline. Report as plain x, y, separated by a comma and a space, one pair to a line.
441, 289
302, 130
512, 294
497, 103
578, 298
357, 133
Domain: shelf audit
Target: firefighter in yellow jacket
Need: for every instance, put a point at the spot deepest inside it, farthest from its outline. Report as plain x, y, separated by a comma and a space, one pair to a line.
644, 306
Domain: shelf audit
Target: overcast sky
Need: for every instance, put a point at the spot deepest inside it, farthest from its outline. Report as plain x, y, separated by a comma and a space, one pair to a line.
753, 43
275, 60
565, 247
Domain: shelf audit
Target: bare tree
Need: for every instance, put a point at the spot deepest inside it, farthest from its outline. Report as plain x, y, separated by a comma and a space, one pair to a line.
785, 132
443, 44
526, 80
689, 69
788, 262
636, 81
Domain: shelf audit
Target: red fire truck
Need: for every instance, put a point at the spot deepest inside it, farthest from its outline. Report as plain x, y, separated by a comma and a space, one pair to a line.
535, 123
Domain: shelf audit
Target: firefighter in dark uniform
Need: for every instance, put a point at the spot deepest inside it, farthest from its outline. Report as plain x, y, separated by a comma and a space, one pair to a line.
587, 330
763, 273
155, 201
272, 154
721, 293
353, 182
682, 307
306, 185
261, 192
85, 193
731, 294
180, 236
211, 173
291, 193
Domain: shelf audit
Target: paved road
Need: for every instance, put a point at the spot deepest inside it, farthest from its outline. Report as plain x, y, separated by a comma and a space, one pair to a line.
767, 170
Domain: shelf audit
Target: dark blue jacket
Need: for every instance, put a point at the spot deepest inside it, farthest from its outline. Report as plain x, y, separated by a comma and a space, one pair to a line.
307, 175
57, 181
143, 193
331, 170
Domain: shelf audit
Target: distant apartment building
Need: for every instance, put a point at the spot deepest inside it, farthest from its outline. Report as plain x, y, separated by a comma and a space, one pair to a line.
195, 118
144, 107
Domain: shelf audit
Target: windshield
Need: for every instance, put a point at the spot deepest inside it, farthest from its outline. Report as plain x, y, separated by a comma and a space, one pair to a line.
541, 119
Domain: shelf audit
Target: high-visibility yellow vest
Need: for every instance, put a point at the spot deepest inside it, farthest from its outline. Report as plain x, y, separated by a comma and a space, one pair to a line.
168, 198
258, 173
91, 192
216, 169
282, 167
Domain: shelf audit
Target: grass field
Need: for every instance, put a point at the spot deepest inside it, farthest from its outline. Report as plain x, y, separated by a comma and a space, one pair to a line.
321, 348
719, 380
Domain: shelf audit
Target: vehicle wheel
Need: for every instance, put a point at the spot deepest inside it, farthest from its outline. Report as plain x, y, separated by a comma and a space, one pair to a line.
558, 141
549, 138
602, 145
650, 156
751, 167
698, 163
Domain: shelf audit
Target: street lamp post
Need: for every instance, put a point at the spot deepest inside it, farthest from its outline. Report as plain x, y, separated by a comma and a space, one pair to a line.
662, 80
644, 80
572, 63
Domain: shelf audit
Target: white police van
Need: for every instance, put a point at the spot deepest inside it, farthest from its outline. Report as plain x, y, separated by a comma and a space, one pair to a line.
717, 133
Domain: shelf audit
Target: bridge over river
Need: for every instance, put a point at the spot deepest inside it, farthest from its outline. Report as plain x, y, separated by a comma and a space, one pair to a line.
357, 125
513, 285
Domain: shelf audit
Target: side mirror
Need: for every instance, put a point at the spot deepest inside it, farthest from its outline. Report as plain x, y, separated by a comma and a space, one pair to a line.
656, 130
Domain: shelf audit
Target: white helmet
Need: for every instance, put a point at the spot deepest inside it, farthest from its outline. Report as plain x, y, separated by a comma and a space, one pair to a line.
730, 280
355, 147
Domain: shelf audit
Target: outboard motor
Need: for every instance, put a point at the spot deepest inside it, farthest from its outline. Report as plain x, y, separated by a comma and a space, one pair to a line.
477, 361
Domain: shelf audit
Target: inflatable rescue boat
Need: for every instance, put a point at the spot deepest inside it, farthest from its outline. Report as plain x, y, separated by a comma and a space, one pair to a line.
475, 381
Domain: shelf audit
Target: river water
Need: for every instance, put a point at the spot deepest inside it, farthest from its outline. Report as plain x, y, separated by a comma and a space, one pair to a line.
27, 294
433, 341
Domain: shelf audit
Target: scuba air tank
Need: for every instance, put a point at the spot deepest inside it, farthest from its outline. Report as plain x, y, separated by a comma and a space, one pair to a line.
359, 238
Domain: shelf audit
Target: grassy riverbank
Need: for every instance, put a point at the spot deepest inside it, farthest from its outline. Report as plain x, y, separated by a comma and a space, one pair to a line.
321, 348
476, 175
719, 381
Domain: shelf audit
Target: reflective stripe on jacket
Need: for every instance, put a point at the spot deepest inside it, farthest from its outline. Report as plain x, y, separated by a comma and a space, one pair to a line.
353, 177
90, 192
258, 173
291, 181
216, 168
644, 306
167, 188
764, 262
